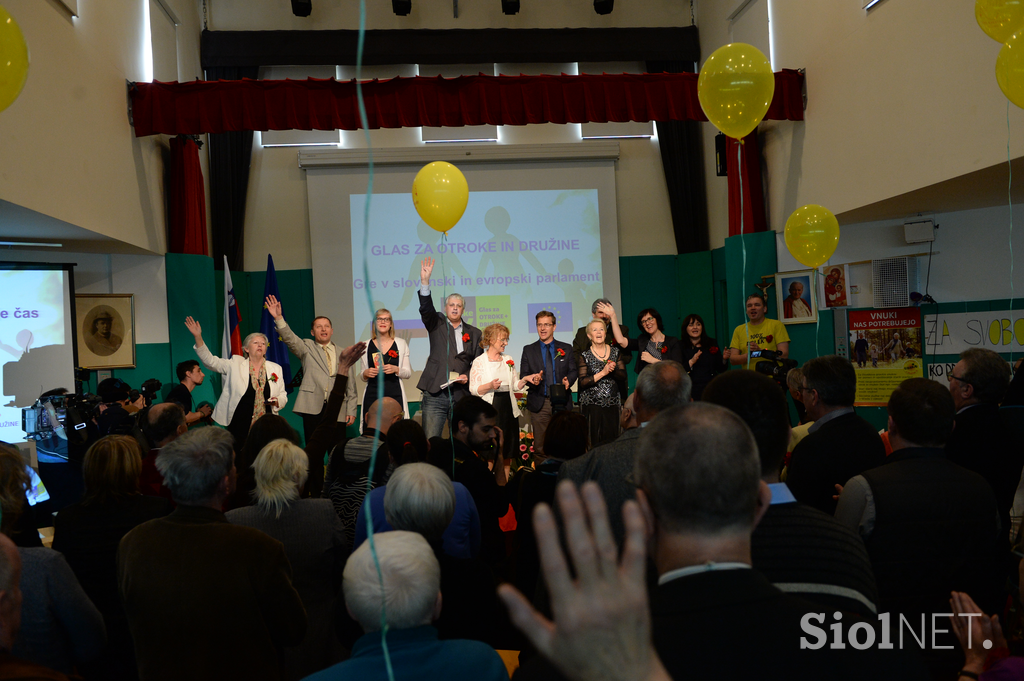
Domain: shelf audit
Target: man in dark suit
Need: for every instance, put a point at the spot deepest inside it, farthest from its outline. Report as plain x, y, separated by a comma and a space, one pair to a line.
555, 360
981, 442
840, 444
206, 599
582, 341
454, 344
658, 387
699, 487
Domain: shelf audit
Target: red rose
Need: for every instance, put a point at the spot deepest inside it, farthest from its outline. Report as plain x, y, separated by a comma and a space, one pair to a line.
273, 378
465, 338
393, 353
560, 352
713, 350
664, 350
511, 364
769, 338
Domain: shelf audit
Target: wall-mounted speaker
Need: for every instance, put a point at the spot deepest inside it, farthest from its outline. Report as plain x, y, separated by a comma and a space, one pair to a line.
892, 280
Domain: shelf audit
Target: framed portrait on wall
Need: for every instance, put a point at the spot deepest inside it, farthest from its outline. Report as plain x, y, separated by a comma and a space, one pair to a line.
106, 331
796, 297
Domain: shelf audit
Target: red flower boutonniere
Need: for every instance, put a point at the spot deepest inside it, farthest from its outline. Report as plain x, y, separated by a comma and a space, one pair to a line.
465, 338
664, 349
560, 352
273, 378
511, 364
713, 350
769, 338
392, 353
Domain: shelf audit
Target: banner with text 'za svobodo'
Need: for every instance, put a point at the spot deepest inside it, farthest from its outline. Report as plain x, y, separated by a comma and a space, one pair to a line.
885, 348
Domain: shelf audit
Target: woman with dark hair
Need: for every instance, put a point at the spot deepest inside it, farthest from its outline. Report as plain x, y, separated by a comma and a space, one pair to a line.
566, 438
652, 343
407, 443
701, 355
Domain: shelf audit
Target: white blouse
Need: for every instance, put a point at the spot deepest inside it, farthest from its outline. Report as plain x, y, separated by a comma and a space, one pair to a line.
484, 371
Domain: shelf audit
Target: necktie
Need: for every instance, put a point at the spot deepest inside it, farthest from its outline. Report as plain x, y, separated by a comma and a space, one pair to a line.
549, 366
327, 354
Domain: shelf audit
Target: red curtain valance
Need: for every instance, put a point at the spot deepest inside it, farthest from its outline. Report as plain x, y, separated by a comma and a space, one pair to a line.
313, 104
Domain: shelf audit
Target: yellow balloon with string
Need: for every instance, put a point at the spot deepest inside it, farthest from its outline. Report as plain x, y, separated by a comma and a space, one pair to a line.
440, 193
735, 88
13, 60
812, 234
999, 18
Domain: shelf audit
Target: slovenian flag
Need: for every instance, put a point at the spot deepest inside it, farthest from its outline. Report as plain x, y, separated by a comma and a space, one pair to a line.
277, 351
232, 343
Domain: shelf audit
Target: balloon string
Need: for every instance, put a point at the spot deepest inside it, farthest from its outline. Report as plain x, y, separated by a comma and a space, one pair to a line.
817, 324
369, 301
1009, 198
448, 348
743, 245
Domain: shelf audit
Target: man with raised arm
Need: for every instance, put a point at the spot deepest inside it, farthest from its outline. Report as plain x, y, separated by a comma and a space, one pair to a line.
319, 365
454, 344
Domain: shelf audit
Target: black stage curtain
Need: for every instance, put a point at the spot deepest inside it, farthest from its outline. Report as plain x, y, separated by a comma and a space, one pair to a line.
230, 156
682, 156
452, 46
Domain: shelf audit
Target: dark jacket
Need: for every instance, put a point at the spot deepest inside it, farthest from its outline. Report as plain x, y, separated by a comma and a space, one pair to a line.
842, 448
533, 362
708, 365
444, 353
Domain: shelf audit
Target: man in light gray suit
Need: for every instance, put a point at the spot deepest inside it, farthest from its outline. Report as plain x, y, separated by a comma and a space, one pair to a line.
659, 386
319, 358
454, 344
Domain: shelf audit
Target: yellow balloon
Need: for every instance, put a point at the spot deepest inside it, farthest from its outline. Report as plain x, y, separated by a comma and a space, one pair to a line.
13, 60
735, 88
440, 193
1010, 69
999, 18
812, 234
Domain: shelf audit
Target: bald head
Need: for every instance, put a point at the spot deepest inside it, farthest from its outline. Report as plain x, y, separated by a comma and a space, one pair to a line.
164, 422
390, 412
10, 592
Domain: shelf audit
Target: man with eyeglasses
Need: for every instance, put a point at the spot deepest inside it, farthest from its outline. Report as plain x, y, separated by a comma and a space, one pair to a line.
553, 360
981, 442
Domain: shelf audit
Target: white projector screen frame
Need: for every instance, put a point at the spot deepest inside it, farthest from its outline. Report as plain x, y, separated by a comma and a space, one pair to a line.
330, 223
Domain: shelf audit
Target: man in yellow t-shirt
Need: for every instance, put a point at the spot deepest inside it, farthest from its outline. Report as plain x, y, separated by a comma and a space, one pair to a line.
765, 334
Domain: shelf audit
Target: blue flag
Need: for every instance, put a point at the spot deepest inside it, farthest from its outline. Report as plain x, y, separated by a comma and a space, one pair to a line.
277, 351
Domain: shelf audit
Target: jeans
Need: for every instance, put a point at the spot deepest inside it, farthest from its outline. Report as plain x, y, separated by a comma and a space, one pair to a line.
435, 408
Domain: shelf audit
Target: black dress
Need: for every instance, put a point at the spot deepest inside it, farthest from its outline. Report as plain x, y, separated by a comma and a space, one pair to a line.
599, 400
242, 418
708, 365
392, 384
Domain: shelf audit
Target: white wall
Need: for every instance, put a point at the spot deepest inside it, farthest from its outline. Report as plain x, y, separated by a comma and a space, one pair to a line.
66, 148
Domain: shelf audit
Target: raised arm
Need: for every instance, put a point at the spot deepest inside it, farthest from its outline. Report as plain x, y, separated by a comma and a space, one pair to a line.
293, 342
428, 313
208, 359
616, 331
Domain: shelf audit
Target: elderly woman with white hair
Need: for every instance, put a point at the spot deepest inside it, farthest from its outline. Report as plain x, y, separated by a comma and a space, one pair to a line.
314, 541
253, 386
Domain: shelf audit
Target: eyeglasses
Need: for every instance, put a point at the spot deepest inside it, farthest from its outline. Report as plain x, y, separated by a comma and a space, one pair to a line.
648, 319
951, 377
545, 326
384, 319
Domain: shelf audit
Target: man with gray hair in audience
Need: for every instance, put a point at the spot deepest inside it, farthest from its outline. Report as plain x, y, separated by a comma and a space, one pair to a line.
411, 589
206, 599
659, 386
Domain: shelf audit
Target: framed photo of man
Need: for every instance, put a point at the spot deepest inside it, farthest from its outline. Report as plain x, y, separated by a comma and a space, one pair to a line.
797, 304
106, 331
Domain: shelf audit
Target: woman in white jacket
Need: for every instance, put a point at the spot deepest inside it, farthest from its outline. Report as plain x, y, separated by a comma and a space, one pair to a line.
385, 355
252, 387
494, 377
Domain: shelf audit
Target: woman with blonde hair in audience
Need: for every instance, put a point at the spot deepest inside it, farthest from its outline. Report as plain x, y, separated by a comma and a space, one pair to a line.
494, 377
314, 541
88, 534
253, 385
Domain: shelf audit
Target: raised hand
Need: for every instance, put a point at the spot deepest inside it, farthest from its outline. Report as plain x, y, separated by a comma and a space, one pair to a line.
194, 328
273, 306
696, 356
606, 309
350, 356
426, 267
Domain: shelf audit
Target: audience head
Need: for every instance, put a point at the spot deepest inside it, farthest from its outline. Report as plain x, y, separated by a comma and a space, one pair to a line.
473, 421
795, 383
567, 436
263, 431
411, 576
190, 366
56, 392
281, 470
921, 413
627, 417
255, 345
112, 390
694, 331
390, 412
495, 335
407, 443
594, 311
698, 469
660, 386
649, 321
14, 481
980, 377
163, 422
10, 593
760, 402
199, 467
420, 498
383, 324
830, 383
111, 469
